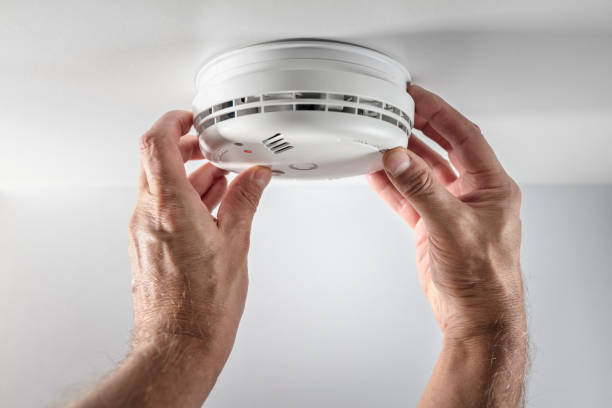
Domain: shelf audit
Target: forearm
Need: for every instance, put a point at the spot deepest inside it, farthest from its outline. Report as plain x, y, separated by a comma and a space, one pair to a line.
486, 371
170, 372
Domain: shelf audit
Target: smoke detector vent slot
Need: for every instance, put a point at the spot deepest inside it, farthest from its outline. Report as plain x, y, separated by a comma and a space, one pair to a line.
225, 116
372, 102
309, 95
340, 108
223, 105
283, 149
248, 111
392, 109
271, 138
246, 99
278, 108
278, 95
208, 123
341, 97
389, 119
303, 107
368, 113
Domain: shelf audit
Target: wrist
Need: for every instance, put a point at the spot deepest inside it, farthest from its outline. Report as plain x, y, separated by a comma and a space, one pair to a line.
483, 370
487, 323
493, 363
208, 337
185, 352
490, 308
488, 348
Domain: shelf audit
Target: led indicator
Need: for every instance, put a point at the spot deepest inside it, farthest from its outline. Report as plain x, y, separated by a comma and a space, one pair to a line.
248, 151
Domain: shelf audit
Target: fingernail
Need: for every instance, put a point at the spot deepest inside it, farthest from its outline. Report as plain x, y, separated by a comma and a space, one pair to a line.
396, 162
262, 176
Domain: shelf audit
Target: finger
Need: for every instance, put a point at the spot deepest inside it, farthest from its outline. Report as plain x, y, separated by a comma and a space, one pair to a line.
422, 124
204, 176
440, 166
413, 178
241, 199
439, 119
160, 154
215, 193
190, 148
381, 184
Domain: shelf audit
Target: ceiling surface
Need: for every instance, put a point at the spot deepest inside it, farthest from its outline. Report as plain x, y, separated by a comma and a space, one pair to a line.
81, 81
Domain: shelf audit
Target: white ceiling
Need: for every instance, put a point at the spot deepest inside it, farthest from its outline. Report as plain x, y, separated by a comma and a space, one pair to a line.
80, 81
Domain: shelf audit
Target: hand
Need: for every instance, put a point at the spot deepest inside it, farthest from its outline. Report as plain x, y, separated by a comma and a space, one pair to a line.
189, 272
467, 227
189, 269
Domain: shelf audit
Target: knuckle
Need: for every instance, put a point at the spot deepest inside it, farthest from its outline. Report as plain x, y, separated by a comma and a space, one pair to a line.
249, 197
133, 226
148, 141
176, 117
515, 191
137, 220
476, 129
134, 286
169, 213
418, 183
160, 215
509, 192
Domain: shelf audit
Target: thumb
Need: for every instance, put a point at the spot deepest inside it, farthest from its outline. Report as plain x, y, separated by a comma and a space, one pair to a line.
415, 180
240, 202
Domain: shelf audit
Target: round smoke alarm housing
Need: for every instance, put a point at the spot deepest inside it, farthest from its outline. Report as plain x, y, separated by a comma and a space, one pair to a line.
304, 108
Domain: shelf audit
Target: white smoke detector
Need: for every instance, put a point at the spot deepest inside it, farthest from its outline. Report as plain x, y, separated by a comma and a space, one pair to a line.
304, 108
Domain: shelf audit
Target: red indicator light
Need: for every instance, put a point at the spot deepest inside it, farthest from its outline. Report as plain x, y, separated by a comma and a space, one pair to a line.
248, 151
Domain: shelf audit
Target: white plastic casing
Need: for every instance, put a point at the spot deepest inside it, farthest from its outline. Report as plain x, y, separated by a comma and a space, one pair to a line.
304, 108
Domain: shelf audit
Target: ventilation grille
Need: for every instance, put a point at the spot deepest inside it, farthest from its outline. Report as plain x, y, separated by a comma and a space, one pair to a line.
277, 144
301, 101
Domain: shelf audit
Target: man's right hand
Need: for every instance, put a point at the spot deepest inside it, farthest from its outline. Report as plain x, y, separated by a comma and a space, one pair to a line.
467, 234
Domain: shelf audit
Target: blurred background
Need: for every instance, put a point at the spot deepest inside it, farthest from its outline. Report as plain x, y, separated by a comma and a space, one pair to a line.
335, 316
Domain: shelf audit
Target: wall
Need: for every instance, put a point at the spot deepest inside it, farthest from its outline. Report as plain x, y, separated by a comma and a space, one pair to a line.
334, 315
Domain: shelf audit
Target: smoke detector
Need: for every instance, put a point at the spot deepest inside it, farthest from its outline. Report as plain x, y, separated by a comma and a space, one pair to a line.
304, 108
